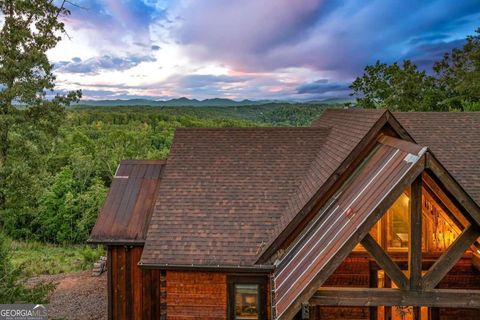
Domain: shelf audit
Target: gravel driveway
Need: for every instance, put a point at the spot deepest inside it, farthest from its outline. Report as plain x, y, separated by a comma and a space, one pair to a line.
78, 295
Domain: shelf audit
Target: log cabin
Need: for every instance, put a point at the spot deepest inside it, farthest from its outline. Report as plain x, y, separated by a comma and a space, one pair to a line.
366, 214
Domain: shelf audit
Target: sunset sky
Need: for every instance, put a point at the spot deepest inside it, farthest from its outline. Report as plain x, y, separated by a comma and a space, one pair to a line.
248, 49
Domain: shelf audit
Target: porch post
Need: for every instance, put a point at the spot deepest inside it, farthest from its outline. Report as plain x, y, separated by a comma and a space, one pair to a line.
415, 240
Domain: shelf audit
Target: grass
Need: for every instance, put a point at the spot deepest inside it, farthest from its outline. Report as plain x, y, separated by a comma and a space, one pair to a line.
38, 258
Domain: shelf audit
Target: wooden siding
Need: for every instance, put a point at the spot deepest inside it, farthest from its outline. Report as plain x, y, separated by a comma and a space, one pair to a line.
385, 168
134, 293
196, 295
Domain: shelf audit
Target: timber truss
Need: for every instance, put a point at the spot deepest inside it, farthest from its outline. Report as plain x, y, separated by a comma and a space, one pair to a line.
415, 289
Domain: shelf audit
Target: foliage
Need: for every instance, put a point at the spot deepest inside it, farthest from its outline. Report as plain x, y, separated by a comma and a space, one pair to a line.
398, 88
37, 258
58, 184
29, 30
453, 85
459, 73
12, 284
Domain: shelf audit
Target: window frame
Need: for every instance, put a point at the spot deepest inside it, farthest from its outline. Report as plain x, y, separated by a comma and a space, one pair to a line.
261, 281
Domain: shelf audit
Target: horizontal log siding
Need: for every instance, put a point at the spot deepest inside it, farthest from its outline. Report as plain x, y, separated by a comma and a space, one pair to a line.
462, 276
353, 272
196, 295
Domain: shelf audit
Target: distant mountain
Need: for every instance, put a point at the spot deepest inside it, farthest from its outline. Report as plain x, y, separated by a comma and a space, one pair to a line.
180, 102
332, 101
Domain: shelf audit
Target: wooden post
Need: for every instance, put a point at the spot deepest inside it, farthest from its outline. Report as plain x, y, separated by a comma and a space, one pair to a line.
415, 235
109, 283
373, 284
385, 262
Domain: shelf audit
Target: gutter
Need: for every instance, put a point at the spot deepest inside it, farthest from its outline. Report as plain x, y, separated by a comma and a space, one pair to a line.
226, 268
117, 242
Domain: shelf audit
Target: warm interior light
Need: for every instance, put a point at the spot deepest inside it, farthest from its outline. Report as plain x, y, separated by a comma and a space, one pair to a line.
250, 299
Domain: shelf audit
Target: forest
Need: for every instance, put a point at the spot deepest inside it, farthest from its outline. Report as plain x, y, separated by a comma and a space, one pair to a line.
56, 185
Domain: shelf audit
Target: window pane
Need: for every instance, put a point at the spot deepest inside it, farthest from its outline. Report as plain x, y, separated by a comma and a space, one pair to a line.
246, 301
398, 222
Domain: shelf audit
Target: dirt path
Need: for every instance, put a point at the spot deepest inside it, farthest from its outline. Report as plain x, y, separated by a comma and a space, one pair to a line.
78, 295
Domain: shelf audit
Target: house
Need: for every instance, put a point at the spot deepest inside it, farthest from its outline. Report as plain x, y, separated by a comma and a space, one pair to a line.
364, 215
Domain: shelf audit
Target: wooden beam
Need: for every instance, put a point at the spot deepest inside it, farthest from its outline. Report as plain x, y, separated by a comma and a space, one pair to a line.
446, 262
361, 232
450, 184
415, 235
385, 262
367, 297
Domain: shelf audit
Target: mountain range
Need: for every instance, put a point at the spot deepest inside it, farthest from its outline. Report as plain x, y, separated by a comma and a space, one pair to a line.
186, 102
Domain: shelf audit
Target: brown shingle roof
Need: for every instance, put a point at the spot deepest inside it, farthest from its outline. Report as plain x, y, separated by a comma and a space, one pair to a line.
347, 127
454, 138
223, 190
128, 207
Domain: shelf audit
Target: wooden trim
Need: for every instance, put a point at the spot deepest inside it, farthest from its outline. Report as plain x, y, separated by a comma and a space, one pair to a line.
373, 283
457, 192
362, 297
109, 283
119, 242
385, 262
128, 282
446, 262
361, 232
263, 294
400, 144
415, 235
260, 269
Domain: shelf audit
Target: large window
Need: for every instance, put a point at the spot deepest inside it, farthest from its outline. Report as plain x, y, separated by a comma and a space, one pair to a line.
440, 226
247, 298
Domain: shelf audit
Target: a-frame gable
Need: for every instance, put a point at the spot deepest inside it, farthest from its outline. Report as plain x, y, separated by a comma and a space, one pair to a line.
344, 125
346, 220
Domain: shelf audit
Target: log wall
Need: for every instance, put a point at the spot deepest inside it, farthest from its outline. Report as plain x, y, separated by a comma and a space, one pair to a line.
196, 295
136, 293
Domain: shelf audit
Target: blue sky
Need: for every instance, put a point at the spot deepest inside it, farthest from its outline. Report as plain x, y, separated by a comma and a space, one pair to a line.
248, 49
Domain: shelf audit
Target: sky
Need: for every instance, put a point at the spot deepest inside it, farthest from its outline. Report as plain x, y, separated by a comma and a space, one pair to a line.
248, 49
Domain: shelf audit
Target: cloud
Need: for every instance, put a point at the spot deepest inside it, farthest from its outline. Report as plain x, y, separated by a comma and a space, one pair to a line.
200, 81
341, 36
322, 86
97, 64
424, 55
115, 23
273, 49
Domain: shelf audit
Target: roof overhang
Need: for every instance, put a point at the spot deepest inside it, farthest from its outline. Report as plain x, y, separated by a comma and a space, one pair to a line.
267, 269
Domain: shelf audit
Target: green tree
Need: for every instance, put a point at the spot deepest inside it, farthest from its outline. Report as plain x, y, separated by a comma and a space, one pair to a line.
30, 28
398, 88
12, 287
454, 85
458, 75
